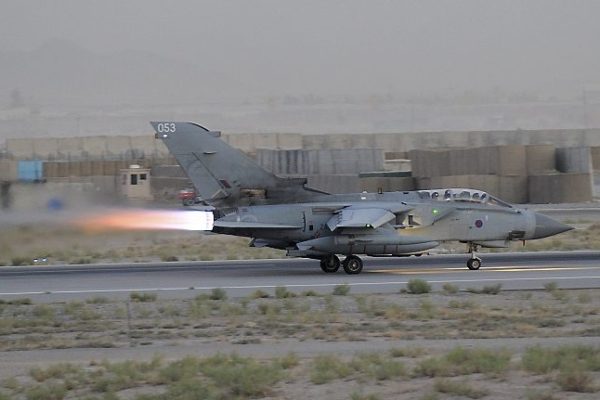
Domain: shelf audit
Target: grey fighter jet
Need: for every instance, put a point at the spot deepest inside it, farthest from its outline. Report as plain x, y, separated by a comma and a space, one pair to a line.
284, 213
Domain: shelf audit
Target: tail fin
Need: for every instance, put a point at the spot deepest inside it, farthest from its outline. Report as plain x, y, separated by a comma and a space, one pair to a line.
221, 174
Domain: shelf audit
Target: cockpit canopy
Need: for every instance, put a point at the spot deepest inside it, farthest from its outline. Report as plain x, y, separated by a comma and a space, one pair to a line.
462, 195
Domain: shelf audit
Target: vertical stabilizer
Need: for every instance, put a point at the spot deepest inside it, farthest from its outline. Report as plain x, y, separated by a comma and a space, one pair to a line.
221, 174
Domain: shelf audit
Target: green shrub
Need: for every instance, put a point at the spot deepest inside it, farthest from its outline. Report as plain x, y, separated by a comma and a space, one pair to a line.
551, 286
57, 371
533, 394
218, 294
575, 380
18, 261
461, 361
489, 289
542, 360
281, 292
47, 392
290, 360
341, 290
142, 297
169, 258
241, 377
360, 396
259, 294
326, 368
459, 388
377, 366
411, 352
450, 288
418, 286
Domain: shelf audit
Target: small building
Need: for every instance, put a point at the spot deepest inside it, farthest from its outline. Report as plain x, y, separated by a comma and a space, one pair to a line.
135, 183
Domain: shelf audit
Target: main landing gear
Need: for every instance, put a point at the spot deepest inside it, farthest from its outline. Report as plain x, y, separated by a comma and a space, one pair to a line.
352, 264
474, 262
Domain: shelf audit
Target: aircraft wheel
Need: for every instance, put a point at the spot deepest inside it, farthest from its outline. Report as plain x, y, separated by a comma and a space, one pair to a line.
330, 264
474, 263
353, 265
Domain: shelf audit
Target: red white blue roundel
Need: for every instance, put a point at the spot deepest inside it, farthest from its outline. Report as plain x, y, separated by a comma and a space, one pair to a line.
479, 223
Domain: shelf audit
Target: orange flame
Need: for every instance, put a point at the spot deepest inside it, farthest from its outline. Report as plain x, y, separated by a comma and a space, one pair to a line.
147, 220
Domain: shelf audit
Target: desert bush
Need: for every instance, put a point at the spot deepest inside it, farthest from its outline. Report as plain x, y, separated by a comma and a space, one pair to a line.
341, 290
377, 366
533, 394
281, 292
411, 352
541, 360
461, 361
418, 286
326, 368
489, 289
19, 261
240, 376
57, 371
142, 297
575, 380
361, 396
218, 294
449, 288
290, 360
459, 388
259, 294
551, 286
47, 392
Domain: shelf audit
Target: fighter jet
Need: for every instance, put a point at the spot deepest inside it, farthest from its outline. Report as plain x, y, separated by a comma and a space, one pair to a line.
283, 213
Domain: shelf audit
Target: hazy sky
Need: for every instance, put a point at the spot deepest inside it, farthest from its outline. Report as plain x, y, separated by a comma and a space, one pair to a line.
337, 46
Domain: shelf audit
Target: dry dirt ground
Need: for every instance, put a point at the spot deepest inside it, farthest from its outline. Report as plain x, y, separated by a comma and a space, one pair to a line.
508, 345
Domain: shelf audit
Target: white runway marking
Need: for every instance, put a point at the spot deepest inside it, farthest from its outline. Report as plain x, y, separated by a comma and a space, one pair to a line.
308, 285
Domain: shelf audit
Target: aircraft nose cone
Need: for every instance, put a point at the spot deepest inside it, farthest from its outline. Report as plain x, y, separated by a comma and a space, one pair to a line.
546, 226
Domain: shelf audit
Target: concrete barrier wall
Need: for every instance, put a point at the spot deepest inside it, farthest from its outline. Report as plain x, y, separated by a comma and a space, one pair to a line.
107, 147
251, 142
495, 160
324, 162
334, 183
387, 184
62, 169
540, 158
148, 146
574, 159
167, 171
560, 188
8, 170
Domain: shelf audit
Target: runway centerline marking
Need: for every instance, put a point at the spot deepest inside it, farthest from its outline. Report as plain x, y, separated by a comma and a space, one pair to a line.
520, 268
190, 288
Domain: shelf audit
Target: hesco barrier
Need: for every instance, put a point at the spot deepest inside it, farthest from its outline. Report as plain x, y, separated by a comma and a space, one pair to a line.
560, 188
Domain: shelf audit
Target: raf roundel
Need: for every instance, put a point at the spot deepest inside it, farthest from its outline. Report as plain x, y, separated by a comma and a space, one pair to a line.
479, 223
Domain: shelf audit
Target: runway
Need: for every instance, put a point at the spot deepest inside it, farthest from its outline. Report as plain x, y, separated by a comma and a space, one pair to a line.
515, 271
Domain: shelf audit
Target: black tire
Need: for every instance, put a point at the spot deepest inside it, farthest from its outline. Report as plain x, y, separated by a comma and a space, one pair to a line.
353, 265
330, 264
474, 263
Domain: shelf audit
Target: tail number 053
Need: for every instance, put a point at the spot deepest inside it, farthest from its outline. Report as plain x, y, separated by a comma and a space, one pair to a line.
166, 127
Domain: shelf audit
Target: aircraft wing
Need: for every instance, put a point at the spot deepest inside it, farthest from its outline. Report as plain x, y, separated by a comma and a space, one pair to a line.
353, 217
252, 225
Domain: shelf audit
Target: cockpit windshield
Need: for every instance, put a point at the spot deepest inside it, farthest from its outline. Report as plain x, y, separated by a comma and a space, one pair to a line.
462, 195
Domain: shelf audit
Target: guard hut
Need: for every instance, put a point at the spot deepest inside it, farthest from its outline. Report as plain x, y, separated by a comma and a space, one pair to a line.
135, 182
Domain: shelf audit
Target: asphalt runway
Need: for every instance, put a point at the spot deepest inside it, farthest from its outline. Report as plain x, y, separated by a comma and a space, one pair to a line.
515, 271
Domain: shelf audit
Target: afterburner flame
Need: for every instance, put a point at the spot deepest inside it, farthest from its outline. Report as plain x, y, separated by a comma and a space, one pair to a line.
192, 220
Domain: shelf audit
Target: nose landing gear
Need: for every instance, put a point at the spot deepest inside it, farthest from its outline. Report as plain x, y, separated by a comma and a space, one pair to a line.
473, 263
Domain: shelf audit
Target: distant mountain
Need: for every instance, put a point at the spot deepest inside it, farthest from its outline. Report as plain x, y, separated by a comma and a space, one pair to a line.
63, 73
